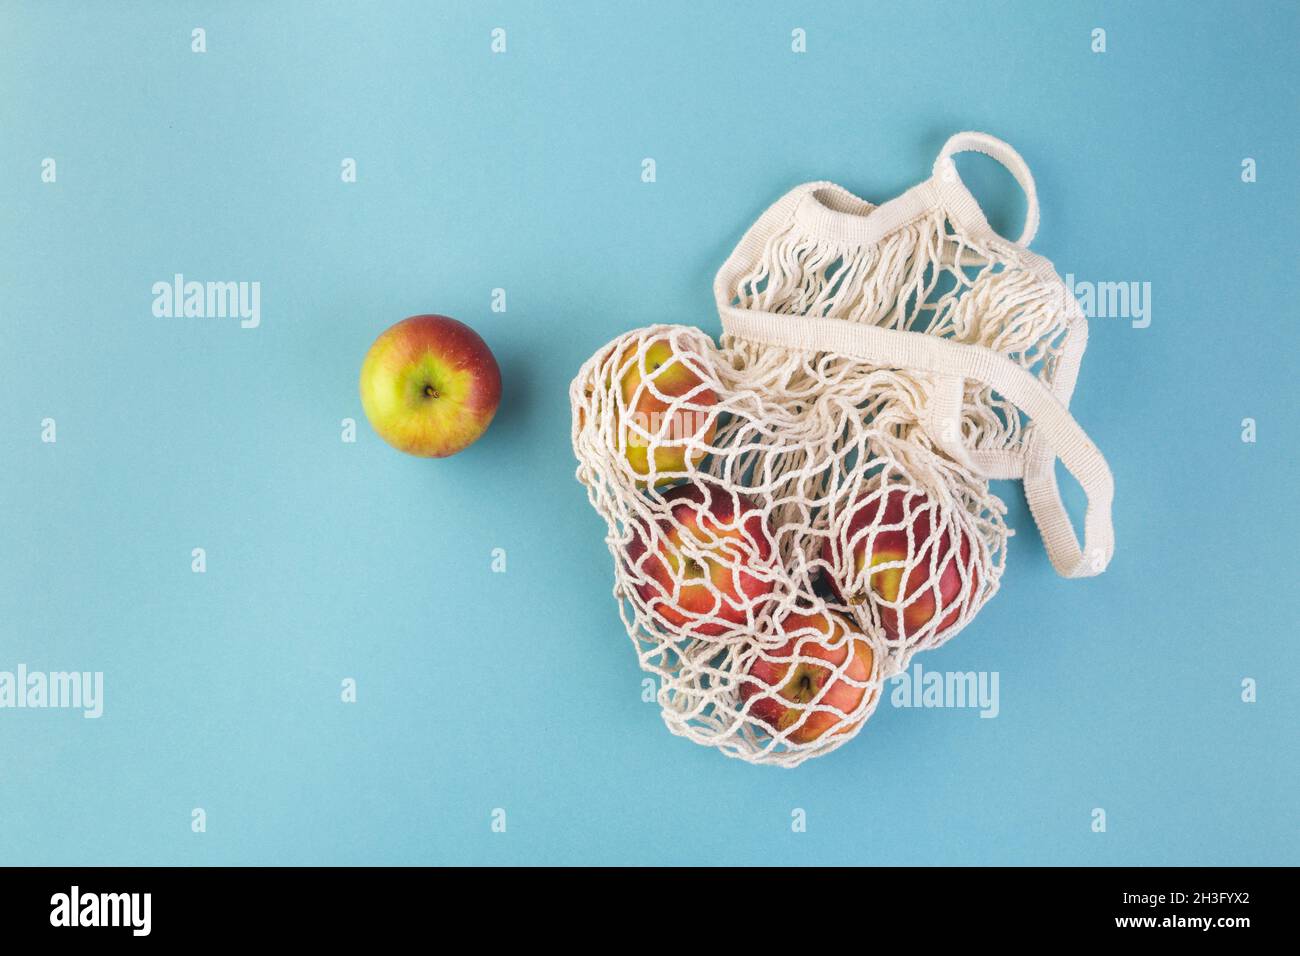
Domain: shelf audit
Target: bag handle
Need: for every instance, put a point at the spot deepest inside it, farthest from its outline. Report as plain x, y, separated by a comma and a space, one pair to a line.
945, 172
1056, 433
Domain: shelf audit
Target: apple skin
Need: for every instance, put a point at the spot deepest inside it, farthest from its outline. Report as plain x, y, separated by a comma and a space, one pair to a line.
731, 533
903, 509
673, 374
796, 684
430, 386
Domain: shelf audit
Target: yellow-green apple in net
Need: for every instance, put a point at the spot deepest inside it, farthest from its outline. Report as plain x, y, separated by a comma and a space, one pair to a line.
665, 408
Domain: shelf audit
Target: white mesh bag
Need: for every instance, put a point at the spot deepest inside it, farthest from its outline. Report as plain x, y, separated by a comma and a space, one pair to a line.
796, 512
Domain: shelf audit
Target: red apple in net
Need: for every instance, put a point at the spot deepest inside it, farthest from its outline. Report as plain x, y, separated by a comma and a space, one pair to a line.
891, 556
808, 684
704, 567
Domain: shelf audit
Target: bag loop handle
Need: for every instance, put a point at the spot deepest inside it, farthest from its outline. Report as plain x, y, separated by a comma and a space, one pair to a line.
945, 171
1057, 434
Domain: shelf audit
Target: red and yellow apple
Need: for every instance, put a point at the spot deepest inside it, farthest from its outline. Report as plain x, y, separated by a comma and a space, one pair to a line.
702, 567
430, 386
663, 402
920, 574
809, 699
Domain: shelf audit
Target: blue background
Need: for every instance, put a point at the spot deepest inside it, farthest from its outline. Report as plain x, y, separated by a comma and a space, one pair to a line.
479, 690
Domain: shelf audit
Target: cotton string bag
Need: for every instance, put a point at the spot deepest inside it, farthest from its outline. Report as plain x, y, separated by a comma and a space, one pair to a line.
797, 511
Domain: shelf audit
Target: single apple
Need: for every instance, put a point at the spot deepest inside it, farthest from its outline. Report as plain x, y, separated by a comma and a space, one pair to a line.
814, 699
430, 386
666, 409
700, 568
919, 574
